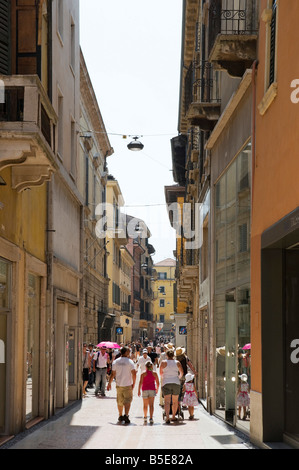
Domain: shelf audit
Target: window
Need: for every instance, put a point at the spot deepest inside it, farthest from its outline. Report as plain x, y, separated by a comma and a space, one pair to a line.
60, 125
162, 318
273, 34
73, 45
270, 18
162, 303
73, 148
60, 18
243, 238
162, 275
161, 289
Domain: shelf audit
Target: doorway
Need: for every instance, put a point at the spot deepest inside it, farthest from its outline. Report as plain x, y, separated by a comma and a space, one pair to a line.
32, 345
291, 339
230, 356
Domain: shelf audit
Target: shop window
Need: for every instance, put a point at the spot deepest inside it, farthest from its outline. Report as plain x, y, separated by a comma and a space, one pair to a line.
33, 322
232, 298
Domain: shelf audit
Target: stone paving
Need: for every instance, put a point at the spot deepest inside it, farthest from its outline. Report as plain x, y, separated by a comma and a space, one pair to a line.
93, 424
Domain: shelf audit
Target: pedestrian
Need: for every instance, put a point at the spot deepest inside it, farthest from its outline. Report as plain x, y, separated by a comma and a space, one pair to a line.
163, 357
86, 367
243, 399
100, 367
171, 371
91, 377
143, 360
149, 384
190, 396
109, 364
123, 369
185, 362
153, 357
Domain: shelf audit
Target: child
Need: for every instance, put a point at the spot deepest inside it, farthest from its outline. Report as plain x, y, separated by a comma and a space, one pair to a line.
149, 384
190, 396
243, 399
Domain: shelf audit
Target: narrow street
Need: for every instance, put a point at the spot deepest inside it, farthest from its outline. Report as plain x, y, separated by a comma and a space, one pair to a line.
92, 424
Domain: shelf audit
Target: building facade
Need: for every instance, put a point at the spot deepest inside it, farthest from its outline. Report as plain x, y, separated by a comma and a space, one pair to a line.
274, 235
94, 151
212, 160
40, 305
164, 298
43, 179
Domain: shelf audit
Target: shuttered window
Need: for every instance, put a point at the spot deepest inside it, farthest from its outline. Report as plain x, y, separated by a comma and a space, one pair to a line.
273, 43
4, 37
28, 51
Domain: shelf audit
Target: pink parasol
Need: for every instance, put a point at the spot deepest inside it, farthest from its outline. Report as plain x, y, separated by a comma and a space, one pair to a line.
108, 344
247, 346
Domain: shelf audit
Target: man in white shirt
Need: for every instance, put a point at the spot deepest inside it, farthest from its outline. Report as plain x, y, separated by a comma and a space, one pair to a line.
143, 360
100, 367
123, 369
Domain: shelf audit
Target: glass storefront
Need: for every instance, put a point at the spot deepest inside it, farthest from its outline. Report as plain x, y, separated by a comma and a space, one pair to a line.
232, 290
33, 321
5, 310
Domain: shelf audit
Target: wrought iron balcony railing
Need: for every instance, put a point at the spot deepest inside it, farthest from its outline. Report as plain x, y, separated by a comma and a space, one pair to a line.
233, 17
201, 84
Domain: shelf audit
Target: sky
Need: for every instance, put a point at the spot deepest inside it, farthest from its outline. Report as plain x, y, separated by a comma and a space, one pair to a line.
132, 50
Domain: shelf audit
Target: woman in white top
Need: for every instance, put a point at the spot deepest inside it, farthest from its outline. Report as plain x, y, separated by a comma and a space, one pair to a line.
171, 371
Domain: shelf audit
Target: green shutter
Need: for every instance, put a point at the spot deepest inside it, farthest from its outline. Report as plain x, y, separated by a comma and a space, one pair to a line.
4, 37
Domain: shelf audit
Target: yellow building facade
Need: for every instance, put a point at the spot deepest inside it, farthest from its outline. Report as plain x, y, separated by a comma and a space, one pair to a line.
164, 299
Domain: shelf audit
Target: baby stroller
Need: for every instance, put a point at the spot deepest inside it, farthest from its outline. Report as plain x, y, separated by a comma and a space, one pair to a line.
179, 414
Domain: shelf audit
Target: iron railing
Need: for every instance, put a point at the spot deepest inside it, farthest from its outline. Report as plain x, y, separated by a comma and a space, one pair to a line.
234, 17
201, 84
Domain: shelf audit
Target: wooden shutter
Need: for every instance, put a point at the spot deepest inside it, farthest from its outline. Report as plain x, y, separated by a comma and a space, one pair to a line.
4, 37
25, 31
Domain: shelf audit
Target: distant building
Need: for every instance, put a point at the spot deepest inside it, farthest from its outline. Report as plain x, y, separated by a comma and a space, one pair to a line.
164, 297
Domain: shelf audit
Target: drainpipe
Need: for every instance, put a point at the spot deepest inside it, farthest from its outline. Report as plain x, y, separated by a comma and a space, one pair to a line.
254, 69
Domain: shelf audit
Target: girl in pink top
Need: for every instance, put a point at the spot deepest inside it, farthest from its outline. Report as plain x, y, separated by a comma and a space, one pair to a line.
149, 384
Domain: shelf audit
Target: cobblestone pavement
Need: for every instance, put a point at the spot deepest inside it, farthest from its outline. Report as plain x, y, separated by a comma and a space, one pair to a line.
93, 424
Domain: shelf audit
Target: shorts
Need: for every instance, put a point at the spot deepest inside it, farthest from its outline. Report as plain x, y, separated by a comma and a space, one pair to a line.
85, 375
171, 389
148, 393
124, 395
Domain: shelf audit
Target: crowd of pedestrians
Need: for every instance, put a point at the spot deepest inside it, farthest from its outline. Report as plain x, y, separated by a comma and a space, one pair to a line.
162, 366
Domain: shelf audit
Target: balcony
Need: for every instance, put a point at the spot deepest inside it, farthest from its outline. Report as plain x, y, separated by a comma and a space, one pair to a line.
146, 316
27, 128
188, 275
147, 294
202, 98
126, 307
233, 34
